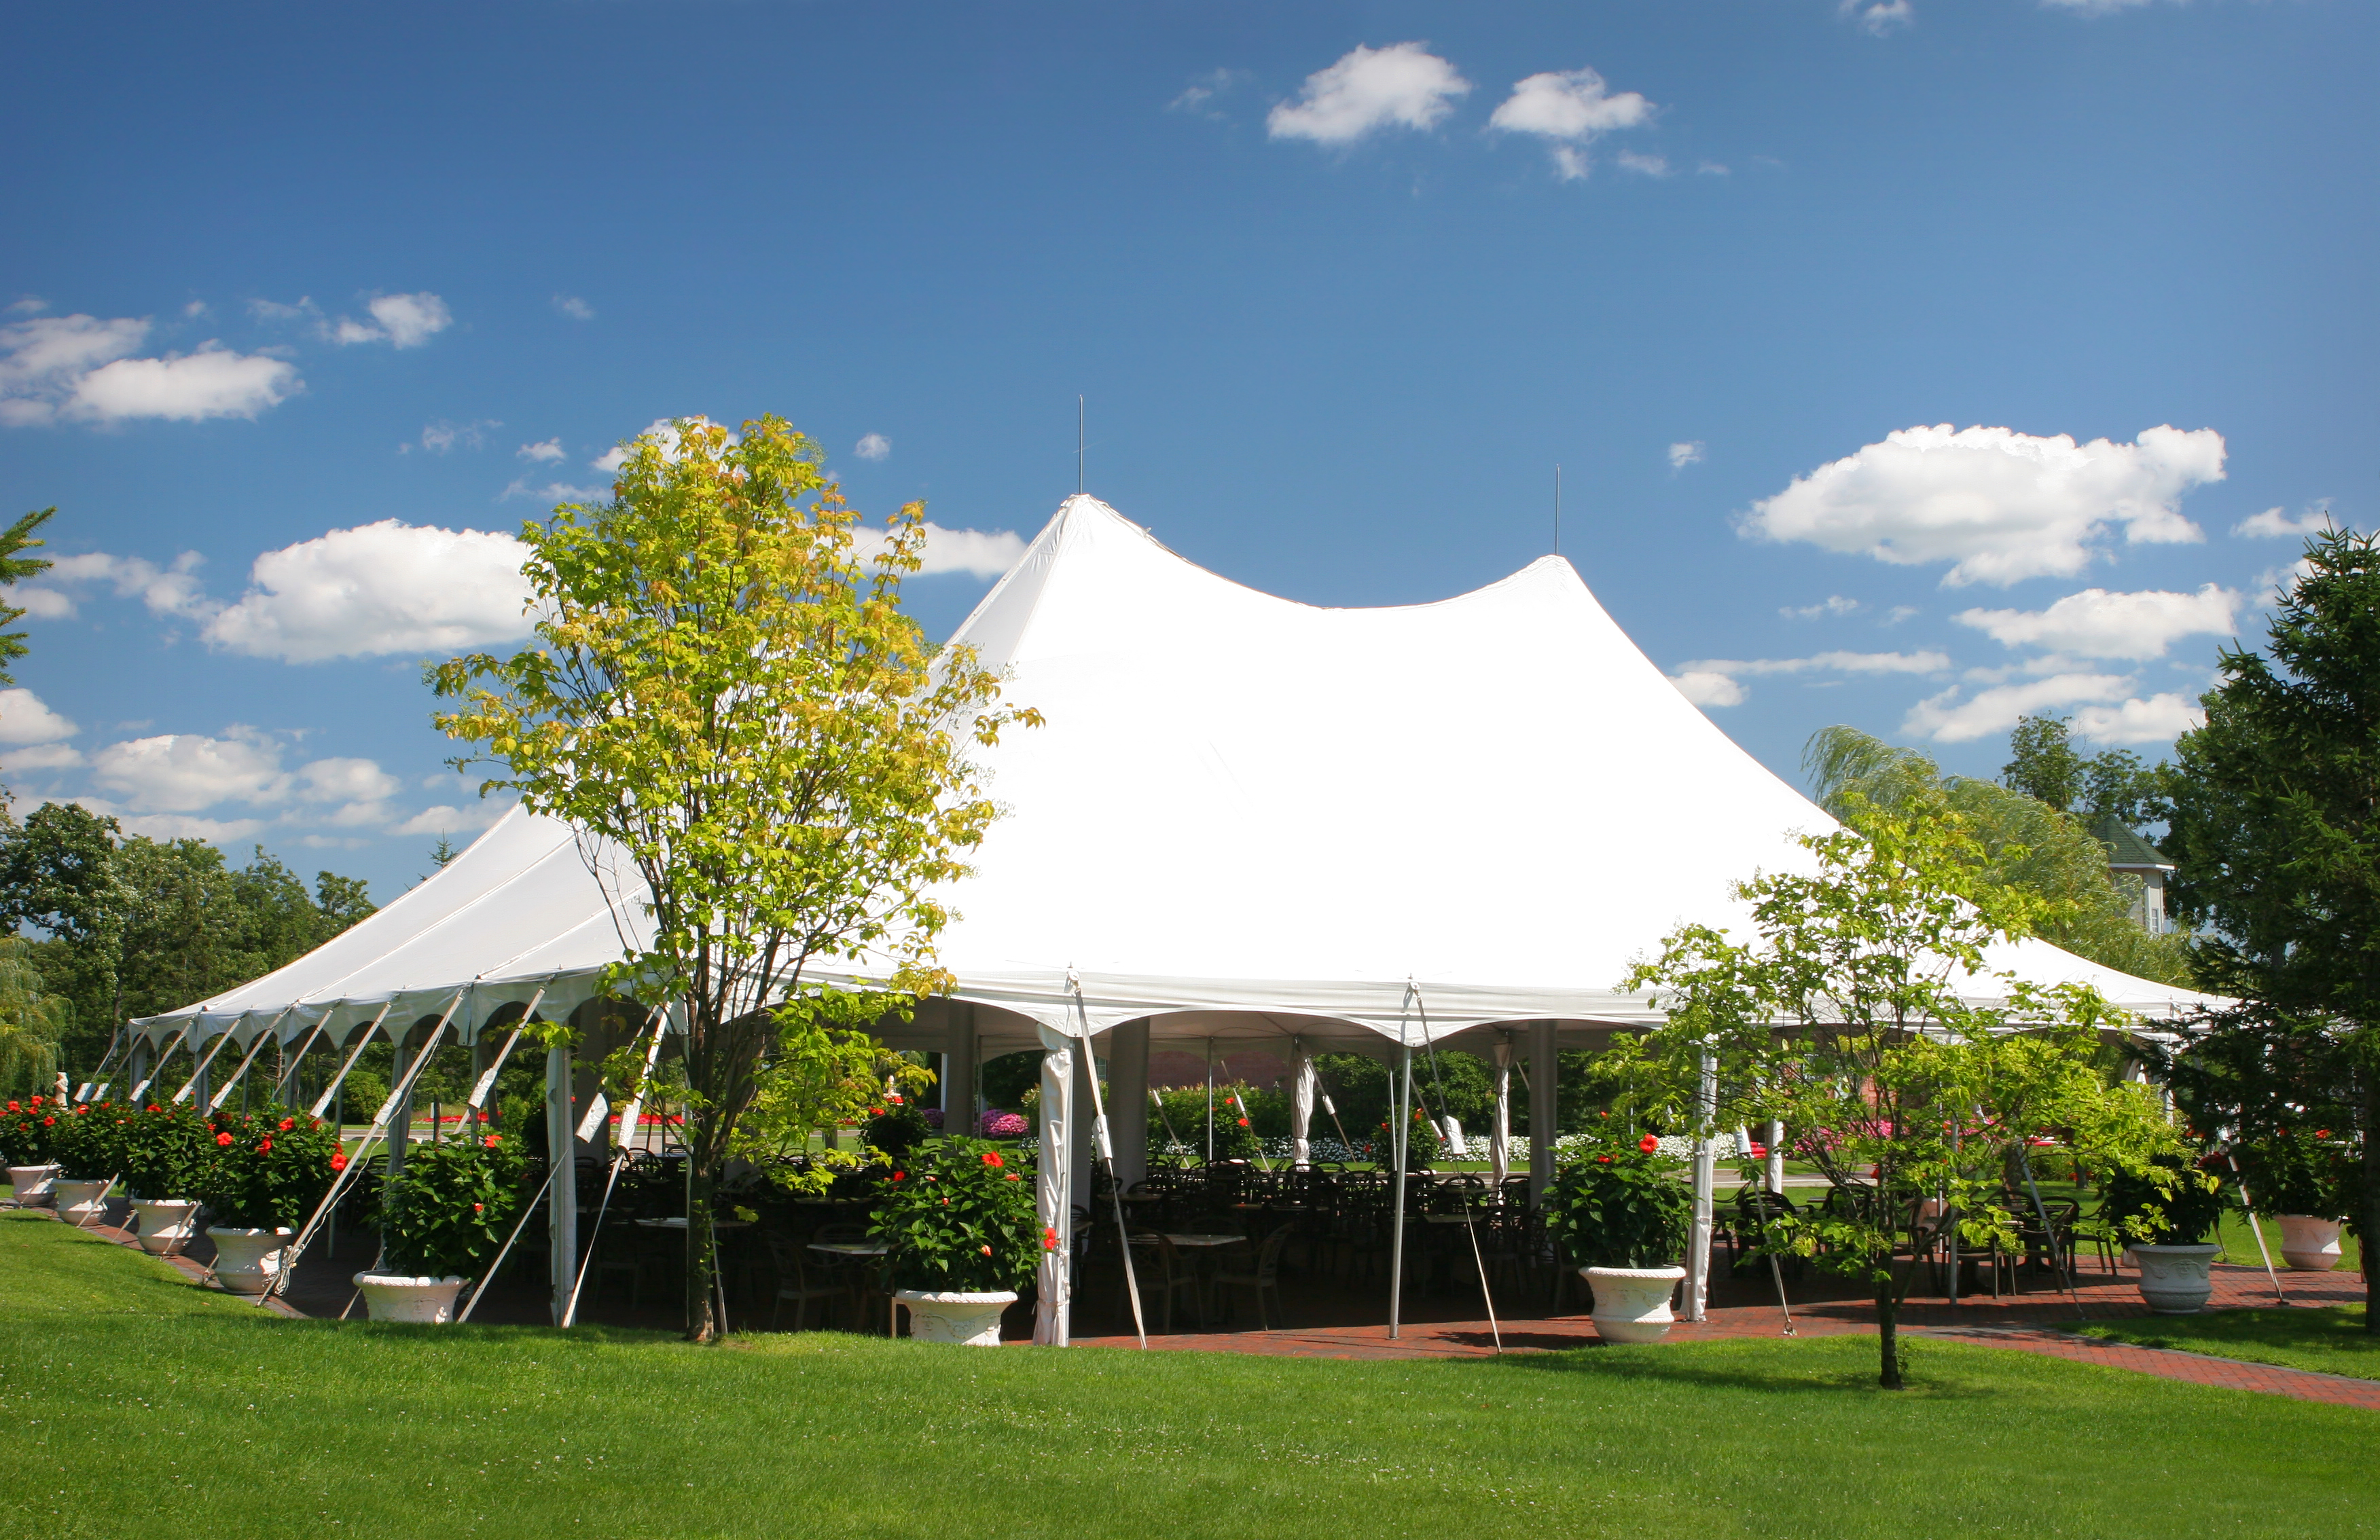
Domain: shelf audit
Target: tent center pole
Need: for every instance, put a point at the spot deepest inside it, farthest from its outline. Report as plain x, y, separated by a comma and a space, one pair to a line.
1397, 1221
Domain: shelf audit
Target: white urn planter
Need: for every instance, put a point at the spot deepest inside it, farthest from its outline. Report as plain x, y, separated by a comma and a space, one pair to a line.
1631, 1304
34, 1186
82, 1202
2308, 1244
971, 1320
247, 1261
424, 1301
2174, 1280
166, 1224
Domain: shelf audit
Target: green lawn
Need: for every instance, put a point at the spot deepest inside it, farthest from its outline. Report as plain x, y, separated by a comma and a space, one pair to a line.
145, 1405
2330, 1341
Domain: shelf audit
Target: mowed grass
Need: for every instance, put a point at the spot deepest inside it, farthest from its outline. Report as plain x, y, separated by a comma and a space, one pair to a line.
142, 1405
2330, 1341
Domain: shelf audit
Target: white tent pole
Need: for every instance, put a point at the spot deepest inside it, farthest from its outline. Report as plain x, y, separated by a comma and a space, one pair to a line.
562, 1184
167, 1052
1698, 1242
528, 1211
255, 1046
216, 1047
1053, 1190
620, 1158
1210, 1101
363, 1041
1103, 1141
1776, 1155
378, 1130
1397, 1221
1430, 1046
487, 1082
1544, 1080
305, 1045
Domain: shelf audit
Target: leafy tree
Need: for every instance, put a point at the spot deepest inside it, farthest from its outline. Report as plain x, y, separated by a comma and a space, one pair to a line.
2275, 816
59, 874
2020, 843
726, 691
14, 568
1846, 1019
2042, 762
32, 1023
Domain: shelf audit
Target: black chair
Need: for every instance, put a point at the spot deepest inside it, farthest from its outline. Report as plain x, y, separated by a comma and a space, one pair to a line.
1159, 1264
791, 1261
1261, 1277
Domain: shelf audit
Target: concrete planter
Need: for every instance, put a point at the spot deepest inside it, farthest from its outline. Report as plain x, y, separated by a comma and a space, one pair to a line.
423, 1301
2308, 1244
2174, 1280
82, 1202
1631, 1304
34, 1186
247, 1261
166, 1225
972, 1320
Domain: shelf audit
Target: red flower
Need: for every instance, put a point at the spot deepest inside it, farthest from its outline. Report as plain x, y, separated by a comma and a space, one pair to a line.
47, 1122
1649, 1144
288, 1124
991, 1157
339, 1162
1049, 1238
264, 1148
479, 1208
898, 1176
1243, 1122
81, 1110
155, 1107
491, 1141
16, 1107
2322, 1134
223, 1138
985, 1250
1011, 1177
1603, 1161
876, 1112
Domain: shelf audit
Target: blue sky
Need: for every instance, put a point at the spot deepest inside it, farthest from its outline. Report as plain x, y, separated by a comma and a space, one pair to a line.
304, 296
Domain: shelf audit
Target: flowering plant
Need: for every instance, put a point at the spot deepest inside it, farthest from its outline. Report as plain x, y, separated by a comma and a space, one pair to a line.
26, 1130
2301, 1171
1423, 1144
896, 1128
270, 1167
449, 1210
163, 1147
997, 1124
85, 1139
958, 1219
1621, 1207
2169, 1202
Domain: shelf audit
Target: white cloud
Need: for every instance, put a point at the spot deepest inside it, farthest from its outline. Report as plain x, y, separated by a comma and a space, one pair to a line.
2273, 522
2273, 582
447, 819
25, 719
661, 428
267, 310
1686, 454
1199, 96
544, 452
1647, 166
1833, 604
1708, 689
2160, 719
1877, 17
872, 446
2092, 7
551, 492
1946, 719
383, 587
1897, 613
38, 603
1404, 85
181, 772
1572, 108
79, 368
1997, 504
983, 553
439, 437
1710, 168
399, 320
168, 590
182, 826
346, 781
2096, 624
40, 757
573, 307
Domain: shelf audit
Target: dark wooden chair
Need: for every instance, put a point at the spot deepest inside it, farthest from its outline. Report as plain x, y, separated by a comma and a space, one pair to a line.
1261, 1277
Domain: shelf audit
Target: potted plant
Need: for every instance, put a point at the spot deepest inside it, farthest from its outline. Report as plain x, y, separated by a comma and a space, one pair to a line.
163, 1149
25, 1139
1422, 1142
442, 1217
2163, 1212
2302, 1181
85, 1144
963, 1237
895, 1128
1622, 1215
268, 1171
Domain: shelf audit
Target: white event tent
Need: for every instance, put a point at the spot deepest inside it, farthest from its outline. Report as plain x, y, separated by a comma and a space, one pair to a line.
1247, 823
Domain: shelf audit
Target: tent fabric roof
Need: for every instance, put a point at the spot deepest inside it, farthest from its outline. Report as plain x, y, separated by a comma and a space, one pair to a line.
1479, 810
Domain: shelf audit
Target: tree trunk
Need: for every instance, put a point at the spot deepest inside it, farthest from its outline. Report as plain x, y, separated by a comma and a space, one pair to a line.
1887, 1329
702, 1261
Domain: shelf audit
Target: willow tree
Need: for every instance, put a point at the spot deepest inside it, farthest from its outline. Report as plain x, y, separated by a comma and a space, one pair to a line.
725, 696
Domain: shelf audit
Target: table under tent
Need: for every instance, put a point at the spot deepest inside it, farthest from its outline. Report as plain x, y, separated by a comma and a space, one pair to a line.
1246, 822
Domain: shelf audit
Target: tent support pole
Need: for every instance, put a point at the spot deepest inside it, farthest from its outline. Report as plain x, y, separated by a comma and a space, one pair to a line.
162, 1054
1103, 1146
1397, 1221
562, 1186
297, 1061
1545, 1110
628, 1117
223, 1093
1698, 1242
363, 1041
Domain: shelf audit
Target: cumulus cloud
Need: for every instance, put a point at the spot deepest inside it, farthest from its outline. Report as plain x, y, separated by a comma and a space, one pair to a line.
1686, 454
1997, 504
448, 820
1946, 719
2272, 522
173, 590
1199, 96
25, 719
181, 772
551, 492
1833, 604
439, 437
544, 452
1571, 109
1404, 85
872, 446
382, 588
40, 756
661, 428
1716, 681
2096, 624
180, 826
2092, 7
399, 320
982, 553
573, 307
2158, 719
79, 367
1877, 17
1644, 165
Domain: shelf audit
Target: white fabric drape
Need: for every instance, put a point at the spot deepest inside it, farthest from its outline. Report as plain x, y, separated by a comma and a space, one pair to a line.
1054, 1190
1500, 1133
1301, 1102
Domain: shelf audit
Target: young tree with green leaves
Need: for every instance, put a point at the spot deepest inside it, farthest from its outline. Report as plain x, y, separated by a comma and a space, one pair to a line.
2274, 818
1862, 1016
16, 568
726, 693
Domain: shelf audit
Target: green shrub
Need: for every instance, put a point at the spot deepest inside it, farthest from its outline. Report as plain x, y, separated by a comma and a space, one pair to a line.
2172, 1202
2305, 1172
448, 1211
1619, 1207
163, 1149
896, 1128
269, 1167
87, 1143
